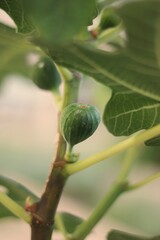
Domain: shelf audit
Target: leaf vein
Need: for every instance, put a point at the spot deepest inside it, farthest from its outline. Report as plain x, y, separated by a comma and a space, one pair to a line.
136, 110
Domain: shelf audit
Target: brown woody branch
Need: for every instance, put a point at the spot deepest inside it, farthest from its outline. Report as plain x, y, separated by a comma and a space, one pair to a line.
43, 212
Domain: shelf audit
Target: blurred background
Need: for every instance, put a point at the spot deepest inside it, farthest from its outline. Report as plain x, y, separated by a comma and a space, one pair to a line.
28, 126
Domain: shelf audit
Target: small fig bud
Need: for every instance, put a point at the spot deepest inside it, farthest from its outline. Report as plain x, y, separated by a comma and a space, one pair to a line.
78, 122
46, 75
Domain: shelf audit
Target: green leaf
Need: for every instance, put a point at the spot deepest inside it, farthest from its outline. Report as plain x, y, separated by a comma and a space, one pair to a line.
142, 17
60, 21
153, 141
113, 70
15, 9
14, 50
133, 73
103, 3
69, 221
118, 235
17, 192
135, 67
128, 112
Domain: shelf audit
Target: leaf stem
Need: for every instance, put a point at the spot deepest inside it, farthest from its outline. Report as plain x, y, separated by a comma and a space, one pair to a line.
143, 182
127, 164
132, 141
15, 208
58, 99
84, 229
111, 196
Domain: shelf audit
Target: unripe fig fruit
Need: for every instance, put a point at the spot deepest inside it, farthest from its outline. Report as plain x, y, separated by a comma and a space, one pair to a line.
78, 122
46, 75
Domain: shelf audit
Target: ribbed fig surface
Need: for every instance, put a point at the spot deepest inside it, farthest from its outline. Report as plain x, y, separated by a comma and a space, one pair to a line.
78, 122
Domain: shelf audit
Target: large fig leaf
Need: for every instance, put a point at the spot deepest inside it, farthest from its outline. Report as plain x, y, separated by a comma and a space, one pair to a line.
128, 112
59, 21
14, 51
15, 9
133, 73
